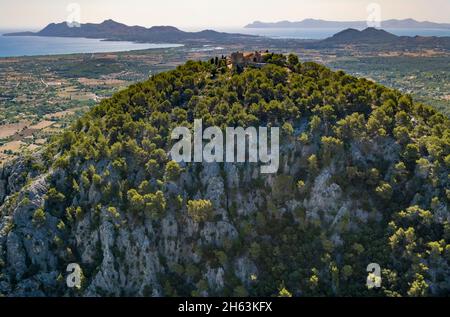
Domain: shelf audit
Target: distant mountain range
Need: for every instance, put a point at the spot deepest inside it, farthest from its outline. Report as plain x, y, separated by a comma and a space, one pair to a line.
114, 31
317, 23
381, 38
111, 30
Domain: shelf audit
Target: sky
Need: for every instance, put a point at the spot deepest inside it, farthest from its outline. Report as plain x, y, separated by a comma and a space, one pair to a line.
35, 14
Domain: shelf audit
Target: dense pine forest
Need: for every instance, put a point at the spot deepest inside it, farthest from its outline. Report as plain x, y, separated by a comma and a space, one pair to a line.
364, 178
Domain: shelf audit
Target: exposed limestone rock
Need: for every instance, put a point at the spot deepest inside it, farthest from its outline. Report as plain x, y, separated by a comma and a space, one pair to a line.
15, 255
125, 255
215, 278
218, 233
244, 269
325, 197
2, 190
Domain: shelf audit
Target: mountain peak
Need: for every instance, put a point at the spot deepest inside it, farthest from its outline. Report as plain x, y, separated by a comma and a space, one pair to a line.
110, 22
372, 29
368, 35
164, 28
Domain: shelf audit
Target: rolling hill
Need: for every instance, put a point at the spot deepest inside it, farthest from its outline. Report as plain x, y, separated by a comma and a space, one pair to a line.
376, 38
367, 36
363, 179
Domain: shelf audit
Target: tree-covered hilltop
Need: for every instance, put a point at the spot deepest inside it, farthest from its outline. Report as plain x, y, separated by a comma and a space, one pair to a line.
364, 178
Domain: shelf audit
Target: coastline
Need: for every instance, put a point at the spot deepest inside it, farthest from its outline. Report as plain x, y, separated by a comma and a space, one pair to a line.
36, 46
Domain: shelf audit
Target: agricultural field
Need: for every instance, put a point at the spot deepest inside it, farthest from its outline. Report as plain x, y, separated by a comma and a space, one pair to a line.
41, 95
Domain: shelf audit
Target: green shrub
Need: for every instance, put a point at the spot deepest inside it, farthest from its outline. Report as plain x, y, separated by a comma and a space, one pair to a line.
173, 171
39, 217
200, 210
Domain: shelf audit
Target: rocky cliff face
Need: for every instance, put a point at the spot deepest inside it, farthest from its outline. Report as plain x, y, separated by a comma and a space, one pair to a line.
125, 256
222, 228
129, 255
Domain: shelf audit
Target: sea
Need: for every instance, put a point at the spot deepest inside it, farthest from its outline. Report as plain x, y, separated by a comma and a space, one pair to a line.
13, 46
323, 33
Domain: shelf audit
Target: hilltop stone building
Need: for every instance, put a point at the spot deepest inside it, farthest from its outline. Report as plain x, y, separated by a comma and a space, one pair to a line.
245, 59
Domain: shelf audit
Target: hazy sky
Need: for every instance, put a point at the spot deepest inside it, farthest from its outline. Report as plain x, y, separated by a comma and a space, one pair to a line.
212, 13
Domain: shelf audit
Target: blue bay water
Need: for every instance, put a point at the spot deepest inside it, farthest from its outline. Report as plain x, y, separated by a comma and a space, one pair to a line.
34, 45
12, 46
